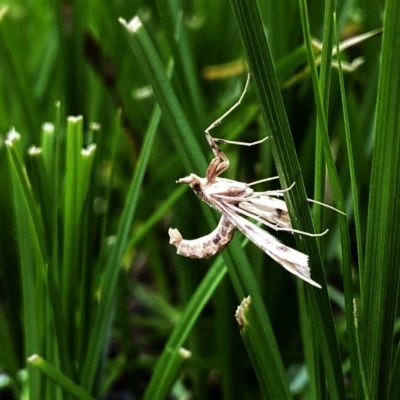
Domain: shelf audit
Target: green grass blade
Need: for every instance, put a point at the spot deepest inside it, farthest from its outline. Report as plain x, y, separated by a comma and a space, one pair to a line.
356, 355
379, 290
337, 193
86, 158
271, 104
60, 379
72, 218
350, 156
47, 143
252, 334
29, 260
40, 186
320, 170
15, 159
245, 281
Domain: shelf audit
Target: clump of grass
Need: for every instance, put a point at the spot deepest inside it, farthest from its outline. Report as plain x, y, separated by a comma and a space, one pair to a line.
85, 263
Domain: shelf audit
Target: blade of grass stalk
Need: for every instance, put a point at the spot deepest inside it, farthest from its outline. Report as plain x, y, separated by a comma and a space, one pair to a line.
89, 275
78, 171
16, 162
28, 258
240, 271
379, 290
250, 329
47, 144
360, 389
28, 267
267, 90
54, 274
320, 171
54, 174
350, 157
245, 281
86, 161
39, 180
59, 378
339, 198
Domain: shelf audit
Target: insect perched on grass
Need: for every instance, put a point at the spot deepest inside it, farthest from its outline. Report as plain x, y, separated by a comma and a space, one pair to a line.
234, 199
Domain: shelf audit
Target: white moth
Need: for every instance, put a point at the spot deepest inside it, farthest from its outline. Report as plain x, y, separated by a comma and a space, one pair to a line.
234, 200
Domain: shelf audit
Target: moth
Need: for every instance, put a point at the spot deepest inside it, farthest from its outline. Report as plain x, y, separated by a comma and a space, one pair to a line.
235, 201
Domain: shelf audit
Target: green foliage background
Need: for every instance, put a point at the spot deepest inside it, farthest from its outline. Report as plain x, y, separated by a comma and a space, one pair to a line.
98, 119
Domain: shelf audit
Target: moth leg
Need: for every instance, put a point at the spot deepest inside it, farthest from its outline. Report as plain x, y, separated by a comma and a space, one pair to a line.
220, 163
276, 193
218, 153
223, 141
216, 167
263, 180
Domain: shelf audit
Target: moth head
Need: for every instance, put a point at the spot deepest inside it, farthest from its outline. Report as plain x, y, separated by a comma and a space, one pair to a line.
193, 180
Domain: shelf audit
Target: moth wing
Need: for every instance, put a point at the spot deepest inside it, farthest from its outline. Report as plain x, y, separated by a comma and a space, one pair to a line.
292, 260
269, 209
